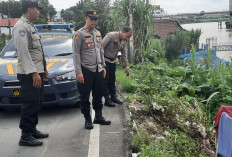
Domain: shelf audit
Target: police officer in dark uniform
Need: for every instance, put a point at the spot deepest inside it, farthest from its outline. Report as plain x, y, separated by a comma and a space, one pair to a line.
89, 65
31, 72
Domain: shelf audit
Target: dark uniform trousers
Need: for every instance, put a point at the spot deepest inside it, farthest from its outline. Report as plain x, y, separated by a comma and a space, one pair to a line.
92, 81
33, 100
109, 81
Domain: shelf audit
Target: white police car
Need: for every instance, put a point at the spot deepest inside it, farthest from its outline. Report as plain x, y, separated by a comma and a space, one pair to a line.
61, 88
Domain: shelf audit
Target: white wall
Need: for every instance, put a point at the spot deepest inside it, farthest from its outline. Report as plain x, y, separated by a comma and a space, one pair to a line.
5, 30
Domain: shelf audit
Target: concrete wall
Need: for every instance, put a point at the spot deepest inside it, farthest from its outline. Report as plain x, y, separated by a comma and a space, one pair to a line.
5, 30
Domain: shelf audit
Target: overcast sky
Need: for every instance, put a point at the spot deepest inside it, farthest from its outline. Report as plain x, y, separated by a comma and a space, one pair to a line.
171, 6
191, 6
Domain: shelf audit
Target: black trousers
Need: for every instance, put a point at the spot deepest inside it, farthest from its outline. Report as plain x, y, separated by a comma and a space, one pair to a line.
93, 81
109, 81
33, 100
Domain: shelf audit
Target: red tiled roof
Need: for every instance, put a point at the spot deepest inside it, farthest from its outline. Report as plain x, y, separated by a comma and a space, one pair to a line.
165, 28
4, 22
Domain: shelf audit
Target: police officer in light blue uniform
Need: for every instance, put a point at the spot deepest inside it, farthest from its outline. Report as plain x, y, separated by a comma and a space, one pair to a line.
89, 65
31, 72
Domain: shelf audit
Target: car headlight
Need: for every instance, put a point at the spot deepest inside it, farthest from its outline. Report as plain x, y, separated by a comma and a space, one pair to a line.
67, 76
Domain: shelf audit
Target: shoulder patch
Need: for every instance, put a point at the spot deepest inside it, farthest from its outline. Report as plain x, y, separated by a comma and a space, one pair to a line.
22, 33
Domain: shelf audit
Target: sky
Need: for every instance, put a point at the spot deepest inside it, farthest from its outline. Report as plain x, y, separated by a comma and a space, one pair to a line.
192, 6
170, 6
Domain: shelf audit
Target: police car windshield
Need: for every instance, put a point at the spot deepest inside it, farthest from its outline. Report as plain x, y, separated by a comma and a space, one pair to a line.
53, 45
56, 45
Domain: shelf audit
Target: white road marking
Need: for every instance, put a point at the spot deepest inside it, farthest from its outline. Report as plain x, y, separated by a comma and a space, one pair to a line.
94, 139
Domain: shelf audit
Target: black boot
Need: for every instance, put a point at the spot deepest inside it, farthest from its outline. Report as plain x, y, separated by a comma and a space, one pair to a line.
38, 135
108, 102
88, 122
99, 119
115, 99
27, 140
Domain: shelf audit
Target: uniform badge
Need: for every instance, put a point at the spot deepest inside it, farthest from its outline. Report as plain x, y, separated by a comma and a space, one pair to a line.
115, 42
77, 36
22, 33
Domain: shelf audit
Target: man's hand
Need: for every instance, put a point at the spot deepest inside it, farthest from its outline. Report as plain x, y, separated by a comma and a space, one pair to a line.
127, 71
36, 80
80, 78
104, 74
46, 76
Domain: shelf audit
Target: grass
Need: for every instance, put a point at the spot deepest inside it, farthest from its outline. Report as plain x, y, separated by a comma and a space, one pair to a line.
127, 84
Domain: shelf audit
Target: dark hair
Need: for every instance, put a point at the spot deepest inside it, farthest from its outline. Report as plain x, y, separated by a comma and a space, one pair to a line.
127, 29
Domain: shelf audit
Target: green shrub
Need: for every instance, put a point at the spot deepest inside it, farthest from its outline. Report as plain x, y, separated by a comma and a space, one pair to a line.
175, 44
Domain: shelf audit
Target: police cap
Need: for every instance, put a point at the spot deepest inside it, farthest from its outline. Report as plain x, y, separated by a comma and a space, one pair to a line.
30, 4
92, 14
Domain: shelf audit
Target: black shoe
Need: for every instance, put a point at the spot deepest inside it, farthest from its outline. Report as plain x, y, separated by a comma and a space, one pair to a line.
38, 135
116, 100
109, 103
88, 124
28, 140
101, 120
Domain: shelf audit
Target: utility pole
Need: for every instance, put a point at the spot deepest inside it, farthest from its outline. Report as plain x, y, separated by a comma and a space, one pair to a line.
132, 37
9, 23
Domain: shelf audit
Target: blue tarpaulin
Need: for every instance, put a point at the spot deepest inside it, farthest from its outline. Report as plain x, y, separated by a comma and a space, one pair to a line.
202, 55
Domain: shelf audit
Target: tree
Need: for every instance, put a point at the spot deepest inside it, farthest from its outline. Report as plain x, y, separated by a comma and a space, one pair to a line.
67, 15
175, 44
79, 13
48, 11
12, 7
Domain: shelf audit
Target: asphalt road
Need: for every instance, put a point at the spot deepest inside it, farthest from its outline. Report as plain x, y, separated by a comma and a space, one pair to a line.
67, 135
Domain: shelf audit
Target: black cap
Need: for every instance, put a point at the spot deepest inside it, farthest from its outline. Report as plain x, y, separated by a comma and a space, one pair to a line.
92, 14
30, 4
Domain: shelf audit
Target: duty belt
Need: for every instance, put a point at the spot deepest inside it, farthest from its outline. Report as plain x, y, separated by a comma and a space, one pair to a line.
109, 58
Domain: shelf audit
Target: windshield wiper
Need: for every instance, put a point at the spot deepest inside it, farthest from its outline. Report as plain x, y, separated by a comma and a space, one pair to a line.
64, 54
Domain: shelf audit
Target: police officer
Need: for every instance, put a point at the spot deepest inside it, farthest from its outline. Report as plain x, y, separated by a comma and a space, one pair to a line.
31, 72
89, 65
113, 43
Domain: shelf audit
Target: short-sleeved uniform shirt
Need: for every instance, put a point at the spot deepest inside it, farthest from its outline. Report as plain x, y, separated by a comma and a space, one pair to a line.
88, 50
112, 45
28, 45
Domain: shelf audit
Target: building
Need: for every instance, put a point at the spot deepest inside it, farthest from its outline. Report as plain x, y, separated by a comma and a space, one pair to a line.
158, 11
166, 27
5, 23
